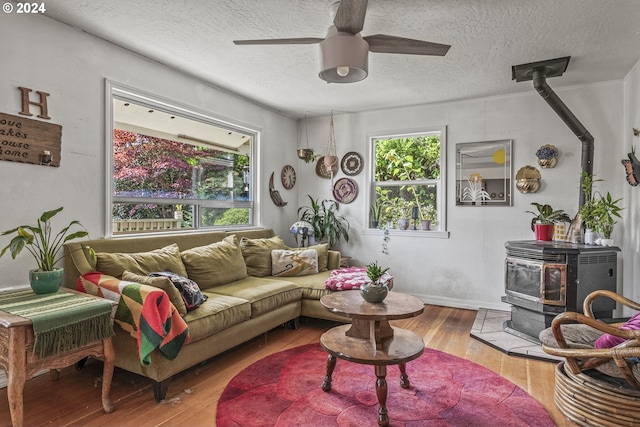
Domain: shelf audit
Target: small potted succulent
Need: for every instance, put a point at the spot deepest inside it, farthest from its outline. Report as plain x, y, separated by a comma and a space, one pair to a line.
45, 248
376, 290
547, 156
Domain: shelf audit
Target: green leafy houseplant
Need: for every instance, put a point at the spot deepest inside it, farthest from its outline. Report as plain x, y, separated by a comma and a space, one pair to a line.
375, 272
547, 215
599, 211
40, 240
327, 224
376, 211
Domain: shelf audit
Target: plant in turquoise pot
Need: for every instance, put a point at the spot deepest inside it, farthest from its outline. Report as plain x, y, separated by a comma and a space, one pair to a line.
45, 246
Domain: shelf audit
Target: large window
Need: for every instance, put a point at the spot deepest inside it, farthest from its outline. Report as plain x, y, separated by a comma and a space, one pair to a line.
408, 181
173, 168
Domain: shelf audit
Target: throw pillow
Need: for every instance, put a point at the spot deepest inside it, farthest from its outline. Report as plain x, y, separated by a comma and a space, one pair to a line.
608, 340
323, 254
215, 264
159, 282
143, 263
294, 263
257, 254
189, 290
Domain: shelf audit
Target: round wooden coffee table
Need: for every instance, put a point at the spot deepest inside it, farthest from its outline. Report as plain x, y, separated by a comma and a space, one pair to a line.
371, 340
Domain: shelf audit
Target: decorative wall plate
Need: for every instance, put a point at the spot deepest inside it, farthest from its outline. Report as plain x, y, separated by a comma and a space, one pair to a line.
322, 171
351, 163
345, 190
288, 177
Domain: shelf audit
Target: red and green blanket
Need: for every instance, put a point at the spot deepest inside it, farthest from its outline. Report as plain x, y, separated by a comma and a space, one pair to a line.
143, 311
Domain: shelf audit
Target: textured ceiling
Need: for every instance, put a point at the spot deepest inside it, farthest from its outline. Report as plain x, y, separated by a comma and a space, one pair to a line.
487, 38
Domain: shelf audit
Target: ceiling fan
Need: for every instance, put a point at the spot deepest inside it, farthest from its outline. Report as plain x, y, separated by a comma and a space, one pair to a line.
344, 53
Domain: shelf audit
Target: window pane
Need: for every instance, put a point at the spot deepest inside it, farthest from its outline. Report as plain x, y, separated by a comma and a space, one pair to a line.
144, 217
407, 179
407, 159
175, 169
210, 217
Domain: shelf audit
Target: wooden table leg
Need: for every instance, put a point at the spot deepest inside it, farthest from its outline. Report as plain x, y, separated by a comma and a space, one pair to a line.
381, 392
331, 364
404, 378
17, 374
107, 374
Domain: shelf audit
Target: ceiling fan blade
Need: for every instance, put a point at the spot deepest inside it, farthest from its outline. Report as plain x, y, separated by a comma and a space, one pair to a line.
305, 40
350, 16
392, 44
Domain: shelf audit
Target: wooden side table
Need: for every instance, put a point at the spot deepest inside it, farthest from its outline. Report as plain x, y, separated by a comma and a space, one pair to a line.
371, 340
20, 363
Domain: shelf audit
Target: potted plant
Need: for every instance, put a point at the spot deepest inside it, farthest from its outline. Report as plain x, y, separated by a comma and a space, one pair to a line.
376, 211
428, 216
547, 156
375, 290
543, 220
598, 212
45, 248
327, 224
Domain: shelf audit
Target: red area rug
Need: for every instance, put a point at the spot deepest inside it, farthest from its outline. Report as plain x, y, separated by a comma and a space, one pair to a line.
284, 389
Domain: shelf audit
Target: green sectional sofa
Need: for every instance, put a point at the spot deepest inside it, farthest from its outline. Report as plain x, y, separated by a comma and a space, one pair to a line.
243, 299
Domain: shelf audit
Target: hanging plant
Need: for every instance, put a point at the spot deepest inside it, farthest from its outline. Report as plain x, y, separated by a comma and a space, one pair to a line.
331, 158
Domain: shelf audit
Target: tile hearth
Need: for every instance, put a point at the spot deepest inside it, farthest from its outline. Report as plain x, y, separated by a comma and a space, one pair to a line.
489, 329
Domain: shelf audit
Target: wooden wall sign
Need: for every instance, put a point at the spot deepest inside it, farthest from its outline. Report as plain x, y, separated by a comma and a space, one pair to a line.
29, 141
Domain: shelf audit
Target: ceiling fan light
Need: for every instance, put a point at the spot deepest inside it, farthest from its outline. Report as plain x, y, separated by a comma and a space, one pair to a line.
342, 71
342, 51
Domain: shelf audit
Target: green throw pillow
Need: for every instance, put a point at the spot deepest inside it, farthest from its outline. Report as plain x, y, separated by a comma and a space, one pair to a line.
159, 282
323, 255
215, 264
143, 263
257, 254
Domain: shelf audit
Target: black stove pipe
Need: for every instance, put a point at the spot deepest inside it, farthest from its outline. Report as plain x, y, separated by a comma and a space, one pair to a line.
540, 84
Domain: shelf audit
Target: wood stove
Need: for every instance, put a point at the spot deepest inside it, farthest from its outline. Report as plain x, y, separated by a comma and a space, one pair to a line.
543, 279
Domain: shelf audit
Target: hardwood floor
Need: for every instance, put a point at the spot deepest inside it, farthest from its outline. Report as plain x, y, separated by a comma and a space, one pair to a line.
74, 400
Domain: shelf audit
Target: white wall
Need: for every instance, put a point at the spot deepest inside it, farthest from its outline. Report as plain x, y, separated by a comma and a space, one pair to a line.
42, 54
466, 270
631, 242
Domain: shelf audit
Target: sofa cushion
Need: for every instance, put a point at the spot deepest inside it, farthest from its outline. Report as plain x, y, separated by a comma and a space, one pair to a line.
143, 263
264, 294
217, 313
159, 282
294, 263
215, 264
257, 254
323, 255
312, 286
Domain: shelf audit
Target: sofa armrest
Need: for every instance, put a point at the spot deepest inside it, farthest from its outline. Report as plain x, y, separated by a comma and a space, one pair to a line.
334, 260
77, 262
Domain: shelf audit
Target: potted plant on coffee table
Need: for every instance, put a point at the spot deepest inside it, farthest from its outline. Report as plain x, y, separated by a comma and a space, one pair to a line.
45, 248
375, 290
543, 220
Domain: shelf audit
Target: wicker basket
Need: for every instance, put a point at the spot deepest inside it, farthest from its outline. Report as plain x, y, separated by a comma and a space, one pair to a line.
596, 400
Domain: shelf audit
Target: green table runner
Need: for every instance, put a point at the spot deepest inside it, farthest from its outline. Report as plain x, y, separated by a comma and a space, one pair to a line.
61, 321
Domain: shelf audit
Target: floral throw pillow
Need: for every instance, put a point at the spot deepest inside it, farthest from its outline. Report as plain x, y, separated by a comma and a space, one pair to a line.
294, 263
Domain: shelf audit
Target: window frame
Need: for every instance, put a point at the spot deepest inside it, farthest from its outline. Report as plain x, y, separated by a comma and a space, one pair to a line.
441, 182
114, 90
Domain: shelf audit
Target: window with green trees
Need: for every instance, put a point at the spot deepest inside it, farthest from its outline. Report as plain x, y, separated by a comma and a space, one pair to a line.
408, 180
166, 176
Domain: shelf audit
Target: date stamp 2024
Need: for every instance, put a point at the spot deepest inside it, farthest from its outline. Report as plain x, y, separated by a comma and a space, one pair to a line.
23, 8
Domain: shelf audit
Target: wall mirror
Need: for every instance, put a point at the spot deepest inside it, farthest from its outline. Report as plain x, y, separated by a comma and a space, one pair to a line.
483, 173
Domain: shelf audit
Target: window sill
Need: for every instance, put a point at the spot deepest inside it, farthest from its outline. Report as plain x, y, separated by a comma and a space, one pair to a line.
423, 234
